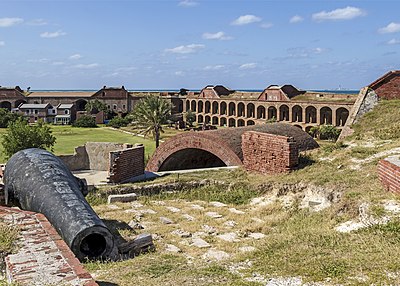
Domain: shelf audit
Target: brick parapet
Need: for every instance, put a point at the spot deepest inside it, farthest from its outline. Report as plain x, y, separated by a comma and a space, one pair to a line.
43, 258
268, 153
389, 173
126, 164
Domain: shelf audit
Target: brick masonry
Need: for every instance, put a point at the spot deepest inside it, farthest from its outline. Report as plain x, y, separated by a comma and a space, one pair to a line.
226, 143
388, 87
268, 153
43, 258
389, 173
126, 164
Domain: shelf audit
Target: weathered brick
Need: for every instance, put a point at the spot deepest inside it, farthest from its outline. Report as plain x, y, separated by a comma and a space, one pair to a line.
268, 153
389, 173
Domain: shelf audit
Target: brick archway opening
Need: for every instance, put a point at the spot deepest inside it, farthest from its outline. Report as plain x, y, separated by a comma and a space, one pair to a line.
193, 150
191, 158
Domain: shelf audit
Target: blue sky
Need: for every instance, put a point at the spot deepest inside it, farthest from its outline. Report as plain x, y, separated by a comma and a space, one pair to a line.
169, 44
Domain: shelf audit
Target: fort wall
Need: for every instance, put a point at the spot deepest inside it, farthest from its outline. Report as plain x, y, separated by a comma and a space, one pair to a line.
389, 173
269, 154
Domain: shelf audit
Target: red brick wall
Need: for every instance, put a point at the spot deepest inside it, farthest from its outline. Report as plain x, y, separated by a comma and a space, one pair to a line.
42, 255
126, 163
389, 89
269, 154
389, 173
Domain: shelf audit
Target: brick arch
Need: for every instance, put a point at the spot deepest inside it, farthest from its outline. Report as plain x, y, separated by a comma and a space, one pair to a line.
222, 147
205, 141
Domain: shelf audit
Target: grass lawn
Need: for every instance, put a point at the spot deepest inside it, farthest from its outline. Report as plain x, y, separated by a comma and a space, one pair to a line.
70, 137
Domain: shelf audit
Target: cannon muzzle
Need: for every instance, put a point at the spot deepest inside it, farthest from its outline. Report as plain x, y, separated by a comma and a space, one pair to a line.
39, 181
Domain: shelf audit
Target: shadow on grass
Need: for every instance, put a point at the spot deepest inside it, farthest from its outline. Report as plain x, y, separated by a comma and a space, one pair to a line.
304, 161
102, 283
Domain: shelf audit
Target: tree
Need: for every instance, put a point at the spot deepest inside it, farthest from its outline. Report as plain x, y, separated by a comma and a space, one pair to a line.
151, 112
6, 117
189, 117
95, 106
85, 121
22, 136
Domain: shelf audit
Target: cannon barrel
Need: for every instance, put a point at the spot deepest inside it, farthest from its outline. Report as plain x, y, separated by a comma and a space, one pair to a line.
39, 181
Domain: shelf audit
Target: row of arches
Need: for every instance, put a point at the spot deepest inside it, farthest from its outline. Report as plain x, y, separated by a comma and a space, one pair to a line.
296, 113
8, 105
223, 121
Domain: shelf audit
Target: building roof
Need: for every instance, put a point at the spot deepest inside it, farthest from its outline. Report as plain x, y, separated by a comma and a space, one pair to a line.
386, 76
34, 106
61, 94
65, 106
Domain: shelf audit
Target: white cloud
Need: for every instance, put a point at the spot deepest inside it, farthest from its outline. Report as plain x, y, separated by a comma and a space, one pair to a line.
37, 22
318, 50
248, 66
246, 19
347, 13
87, 66
188, 49
57, 34
42, 60
296, 19
8, 22
266, 25
2, 43
179, 73
391, 28
217, 36
188, 3
213, 68
393, 42
58, 63
75, 57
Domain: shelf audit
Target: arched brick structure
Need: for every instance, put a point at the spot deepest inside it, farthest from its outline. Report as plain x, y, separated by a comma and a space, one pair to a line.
217, 147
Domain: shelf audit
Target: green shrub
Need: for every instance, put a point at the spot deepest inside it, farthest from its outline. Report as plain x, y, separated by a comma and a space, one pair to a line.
85, 121
22, 136
325, 132
7, 117
118, 122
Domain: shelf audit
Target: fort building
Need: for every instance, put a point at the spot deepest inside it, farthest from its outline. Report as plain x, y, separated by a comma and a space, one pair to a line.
218, 105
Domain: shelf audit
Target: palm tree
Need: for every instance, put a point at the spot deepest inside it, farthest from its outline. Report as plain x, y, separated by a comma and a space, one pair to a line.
151, 112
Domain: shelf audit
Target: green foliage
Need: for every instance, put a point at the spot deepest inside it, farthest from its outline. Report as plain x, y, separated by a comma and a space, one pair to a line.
271, 120
189, 117
151, 113
118, 122
8, 236
95, 106
6, 117
325, 132
330, 147
85, 121
22, 136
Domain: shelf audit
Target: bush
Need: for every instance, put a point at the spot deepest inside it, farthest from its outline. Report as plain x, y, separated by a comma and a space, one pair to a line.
7, 117
22, 136
118, 122
325, 132
85, 121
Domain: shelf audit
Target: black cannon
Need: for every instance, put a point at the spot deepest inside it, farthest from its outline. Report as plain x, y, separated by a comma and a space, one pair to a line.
39, 181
